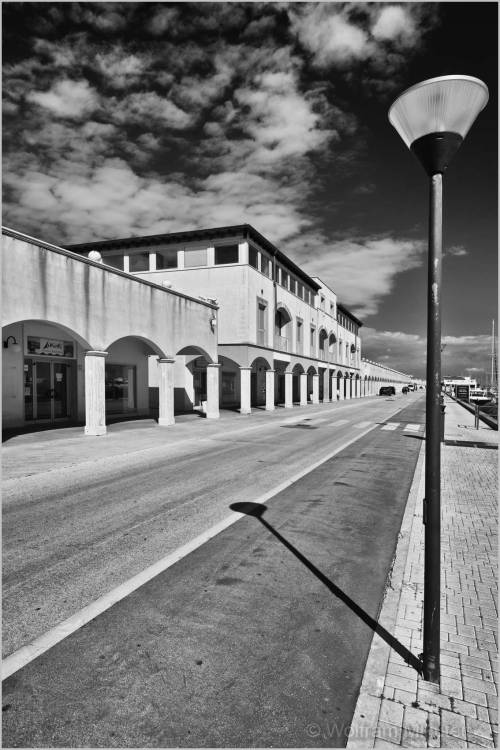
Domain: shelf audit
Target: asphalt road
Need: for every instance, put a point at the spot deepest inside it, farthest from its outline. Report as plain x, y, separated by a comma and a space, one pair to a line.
91, 514
260, 636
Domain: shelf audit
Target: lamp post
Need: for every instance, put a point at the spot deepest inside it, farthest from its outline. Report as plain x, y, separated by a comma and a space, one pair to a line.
433, 117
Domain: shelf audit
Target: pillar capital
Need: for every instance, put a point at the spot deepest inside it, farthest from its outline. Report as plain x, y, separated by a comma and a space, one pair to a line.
95, 353
166, 360
214, 364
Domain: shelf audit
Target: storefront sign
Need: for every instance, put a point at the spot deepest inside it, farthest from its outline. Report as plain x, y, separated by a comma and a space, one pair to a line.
50, 347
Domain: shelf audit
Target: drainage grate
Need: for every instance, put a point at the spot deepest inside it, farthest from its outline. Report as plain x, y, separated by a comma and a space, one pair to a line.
471, 444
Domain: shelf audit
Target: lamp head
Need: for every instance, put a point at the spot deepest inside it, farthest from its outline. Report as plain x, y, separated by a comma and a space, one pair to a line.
434, 116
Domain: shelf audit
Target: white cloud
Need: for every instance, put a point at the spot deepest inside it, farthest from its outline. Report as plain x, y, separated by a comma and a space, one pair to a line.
394, 22
407, 352
142, 107
324, 31
66, 98
456, 250
121, 69
362, 271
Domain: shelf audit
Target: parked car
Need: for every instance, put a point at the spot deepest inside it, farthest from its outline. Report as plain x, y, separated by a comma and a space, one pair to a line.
387, 390
404, 389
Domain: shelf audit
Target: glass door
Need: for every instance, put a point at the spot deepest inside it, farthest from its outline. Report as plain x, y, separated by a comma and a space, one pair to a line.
47, 387
43, 391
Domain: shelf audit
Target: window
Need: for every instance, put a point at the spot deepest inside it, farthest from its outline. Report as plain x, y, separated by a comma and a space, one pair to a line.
226, 254
322, 303
166, 258
119, 388
264, 265
332, 309
293, 285
139, 262
300, 290
115, 261
261, 322
299, 336
253, 257
195, 258
313, 331
284, 278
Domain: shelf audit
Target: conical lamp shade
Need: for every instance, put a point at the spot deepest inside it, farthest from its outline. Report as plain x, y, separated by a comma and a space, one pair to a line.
448, 104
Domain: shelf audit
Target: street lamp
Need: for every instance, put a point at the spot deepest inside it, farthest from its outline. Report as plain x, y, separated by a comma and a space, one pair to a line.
433, 117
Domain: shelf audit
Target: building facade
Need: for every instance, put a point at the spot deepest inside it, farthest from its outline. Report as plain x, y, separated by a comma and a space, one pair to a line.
80, 340
283, 336
154, 326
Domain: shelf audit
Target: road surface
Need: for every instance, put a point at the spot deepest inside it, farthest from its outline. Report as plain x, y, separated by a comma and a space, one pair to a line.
257, 638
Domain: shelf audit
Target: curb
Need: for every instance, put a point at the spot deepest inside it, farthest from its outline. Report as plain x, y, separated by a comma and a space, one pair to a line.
365, 720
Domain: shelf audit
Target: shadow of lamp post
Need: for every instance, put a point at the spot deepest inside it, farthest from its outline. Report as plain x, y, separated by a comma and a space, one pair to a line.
433, 117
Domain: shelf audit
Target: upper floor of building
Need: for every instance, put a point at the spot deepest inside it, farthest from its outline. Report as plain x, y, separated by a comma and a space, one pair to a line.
264, 297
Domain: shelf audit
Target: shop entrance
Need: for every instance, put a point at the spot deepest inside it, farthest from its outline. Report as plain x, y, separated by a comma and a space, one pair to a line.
47, 390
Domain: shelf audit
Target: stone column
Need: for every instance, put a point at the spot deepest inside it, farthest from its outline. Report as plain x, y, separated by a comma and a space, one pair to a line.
213, 391
315, 393
245, 390
270, 390
95, 394
166, 391
303, 388
288, 390
326, 387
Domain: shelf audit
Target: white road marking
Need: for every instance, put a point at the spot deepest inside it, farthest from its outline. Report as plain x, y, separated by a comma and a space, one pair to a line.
414, 427
390, 426
361, 425
336, 422
31, 651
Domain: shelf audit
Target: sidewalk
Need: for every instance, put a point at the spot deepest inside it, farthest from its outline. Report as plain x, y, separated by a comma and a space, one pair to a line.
396, 706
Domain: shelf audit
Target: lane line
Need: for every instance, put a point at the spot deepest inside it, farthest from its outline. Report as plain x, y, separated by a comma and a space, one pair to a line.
43, 643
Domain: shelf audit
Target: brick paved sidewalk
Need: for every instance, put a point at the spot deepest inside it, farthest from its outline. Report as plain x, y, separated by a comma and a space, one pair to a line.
396, 706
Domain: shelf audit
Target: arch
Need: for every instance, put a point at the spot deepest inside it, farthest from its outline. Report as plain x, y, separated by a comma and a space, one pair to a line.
78, 337
153, 348
284, 312
260, 361
196, 351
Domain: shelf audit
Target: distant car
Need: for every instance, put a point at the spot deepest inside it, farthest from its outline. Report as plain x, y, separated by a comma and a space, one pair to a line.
404, 389
387, 390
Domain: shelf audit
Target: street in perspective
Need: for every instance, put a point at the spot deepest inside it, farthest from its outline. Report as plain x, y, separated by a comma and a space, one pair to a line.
249, 375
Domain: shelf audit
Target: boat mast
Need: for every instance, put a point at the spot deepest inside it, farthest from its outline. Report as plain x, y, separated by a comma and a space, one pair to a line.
494, 366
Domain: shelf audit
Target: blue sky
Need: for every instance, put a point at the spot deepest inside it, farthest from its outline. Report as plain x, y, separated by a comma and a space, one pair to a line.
136, 118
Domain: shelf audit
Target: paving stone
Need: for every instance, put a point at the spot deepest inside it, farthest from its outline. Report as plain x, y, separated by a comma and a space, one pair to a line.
415, 720
391, 713
389, 732
453, 724
477, 727
476, 697
466, 709
413, 739
480, 685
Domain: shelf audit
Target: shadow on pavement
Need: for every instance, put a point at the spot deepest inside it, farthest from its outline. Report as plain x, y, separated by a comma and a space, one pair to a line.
257, 510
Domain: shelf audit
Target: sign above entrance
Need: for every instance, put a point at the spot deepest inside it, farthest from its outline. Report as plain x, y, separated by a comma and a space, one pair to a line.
50, 347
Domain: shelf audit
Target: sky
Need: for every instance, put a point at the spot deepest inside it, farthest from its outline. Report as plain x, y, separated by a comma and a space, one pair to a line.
124, 119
